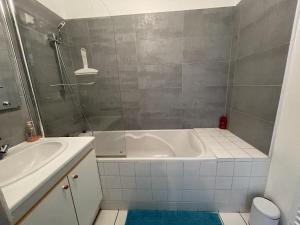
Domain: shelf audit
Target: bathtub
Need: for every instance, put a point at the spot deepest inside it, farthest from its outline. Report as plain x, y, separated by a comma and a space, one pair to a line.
197, 169
150, 144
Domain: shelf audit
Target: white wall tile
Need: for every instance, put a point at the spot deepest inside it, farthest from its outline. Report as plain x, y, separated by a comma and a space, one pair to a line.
225, 168
223, 183
174, 195
158, 169
127, 168
144, 195
175, 168
159, 183
242, 169
208, 168
191, 183
175, 183
240, 183
129, 195
191, 168
142, 168
112, 194
188, 206
260, 168
222, 196
239, 200
167, 206
100, 168
111, 182
198, 195
128, 182
110, 169
143, 182
257, 184
207, 182
160, 196
191, 195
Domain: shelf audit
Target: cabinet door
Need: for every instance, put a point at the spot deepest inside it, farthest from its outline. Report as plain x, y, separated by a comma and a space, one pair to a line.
56, 208
86, 189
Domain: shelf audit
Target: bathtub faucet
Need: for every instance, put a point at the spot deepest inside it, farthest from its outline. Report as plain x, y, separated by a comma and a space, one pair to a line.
3, 150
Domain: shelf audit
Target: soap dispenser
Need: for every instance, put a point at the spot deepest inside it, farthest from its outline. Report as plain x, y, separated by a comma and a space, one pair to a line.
30, 132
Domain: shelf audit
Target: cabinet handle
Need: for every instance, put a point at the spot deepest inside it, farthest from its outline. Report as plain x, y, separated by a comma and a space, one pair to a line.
75, 176
65, 187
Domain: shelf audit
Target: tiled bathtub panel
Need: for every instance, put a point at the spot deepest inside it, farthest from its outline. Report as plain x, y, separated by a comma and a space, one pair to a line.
197, 187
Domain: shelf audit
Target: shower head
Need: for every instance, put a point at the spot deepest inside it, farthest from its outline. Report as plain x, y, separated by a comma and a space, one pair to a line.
61, 25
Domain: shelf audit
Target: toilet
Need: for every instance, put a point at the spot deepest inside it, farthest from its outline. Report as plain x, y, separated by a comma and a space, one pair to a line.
264, 212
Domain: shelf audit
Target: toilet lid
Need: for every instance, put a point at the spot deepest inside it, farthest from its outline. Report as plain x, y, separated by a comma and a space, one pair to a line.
266, 207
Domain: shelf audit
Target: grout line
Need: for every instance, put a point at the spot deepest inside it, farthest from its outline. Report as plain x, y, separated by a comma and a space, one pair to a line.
116, 217
246, 223
220, 217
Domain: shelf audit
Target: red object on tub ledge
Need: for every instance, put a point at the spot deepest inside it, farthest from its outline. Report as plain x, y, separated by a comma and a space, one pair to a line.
223, 122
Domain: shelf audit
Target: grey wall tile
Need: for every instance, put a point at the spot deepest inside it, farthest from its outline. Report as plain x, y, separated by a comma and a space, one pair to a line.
155, 86
271, 30
204, 73
128, 75
259, 101
43, 67
264, 68
205, 117
196, 49
209, 22
250, 10
163, 120
78, 31
160, 51
159, 25
252, 129
160, 99
99, 29
280, 30
126, 52
130, 98
261, 43
159, 76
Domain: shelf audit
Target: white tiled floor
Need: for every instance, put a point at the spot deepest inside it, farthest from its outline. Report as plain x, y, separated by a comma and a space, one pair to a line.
118, 217
106, 217
232, 219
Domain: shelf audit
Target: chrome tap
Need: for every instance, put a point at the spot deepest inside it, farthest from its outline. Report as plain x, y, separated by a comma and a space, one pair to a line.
3, 150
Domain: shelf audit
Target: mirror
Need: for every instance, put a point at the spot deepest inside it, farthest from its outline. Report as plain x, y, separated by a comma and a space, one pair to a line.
9, 95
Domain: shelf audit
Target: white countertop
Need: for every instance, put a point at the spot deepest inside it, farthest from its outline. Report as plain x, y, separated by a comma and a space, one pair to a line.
16, 194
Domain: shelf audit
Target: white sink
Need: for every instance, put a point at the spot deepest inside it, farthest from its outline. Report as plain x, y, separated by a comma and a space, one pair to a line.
29, 160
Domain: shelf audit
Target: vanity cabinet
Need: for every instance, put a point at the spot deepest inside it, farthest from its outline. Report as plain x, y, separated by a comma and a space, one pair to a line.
85, 185
74, 200
56, 208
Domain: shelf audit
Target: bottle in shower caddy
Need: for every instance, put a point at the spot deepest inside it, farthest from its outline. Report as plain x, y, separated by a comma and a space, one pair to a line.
30, 132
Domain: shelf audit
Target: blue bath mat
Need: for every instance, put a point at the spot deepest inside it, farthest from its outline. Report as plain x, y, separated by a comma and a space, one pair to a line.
143, 217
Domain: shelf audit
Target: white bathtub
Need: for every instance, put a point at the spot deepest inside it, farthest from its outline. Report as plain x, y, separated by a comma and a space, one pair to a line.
150, 144
179, 170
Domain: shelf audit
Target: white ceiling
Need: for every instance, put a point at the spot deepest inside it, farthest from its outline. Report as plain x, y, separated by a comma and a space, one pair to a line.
71, 9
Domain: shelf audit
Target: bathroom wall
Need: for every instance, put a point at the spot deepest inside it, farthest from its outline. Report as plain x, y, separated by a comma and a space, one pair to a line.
157, 71
72, 9
263, 31
12, 121
60, 112
284, 179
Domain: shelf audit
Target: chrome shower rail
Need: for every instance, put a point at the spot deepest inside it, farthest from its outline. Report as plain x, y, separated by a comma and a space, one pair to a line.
77, 84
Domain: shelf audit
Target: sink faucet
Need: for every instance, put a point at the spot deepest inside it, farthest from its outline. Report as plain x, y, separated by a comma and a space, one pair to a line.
3, 150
